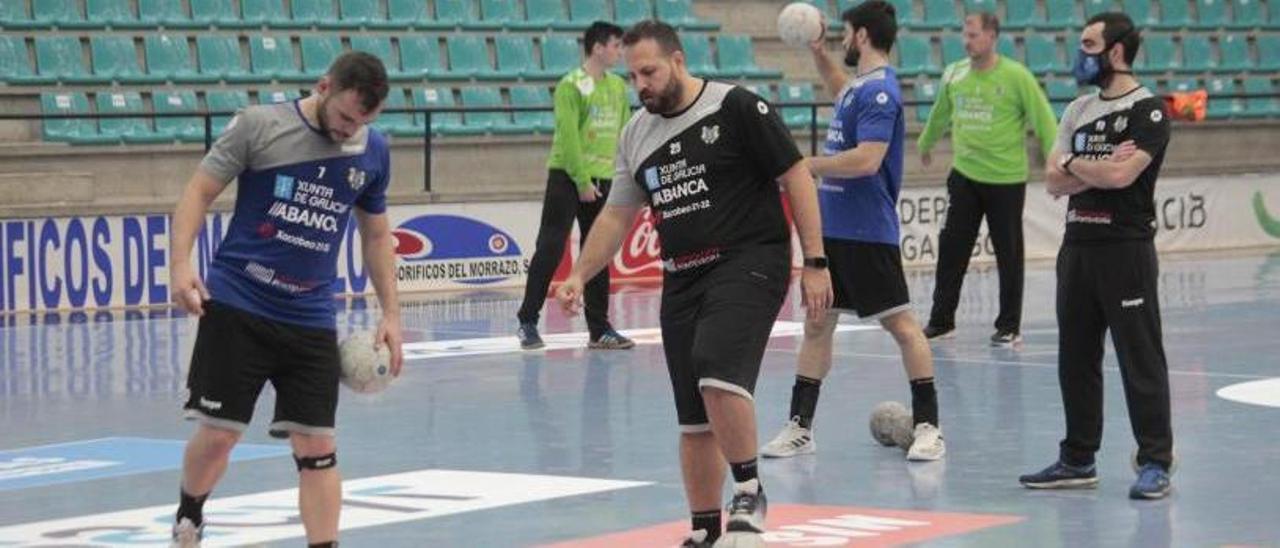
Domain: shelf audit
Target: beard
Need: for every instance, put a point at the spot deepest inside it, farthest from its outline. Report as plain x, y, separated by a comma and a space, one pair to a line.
666, 100
851, 57
323, 119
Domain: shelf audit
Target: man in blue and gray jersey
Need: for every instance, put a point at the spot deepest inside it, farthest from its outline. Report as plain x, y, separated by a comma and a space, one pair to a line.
266, 306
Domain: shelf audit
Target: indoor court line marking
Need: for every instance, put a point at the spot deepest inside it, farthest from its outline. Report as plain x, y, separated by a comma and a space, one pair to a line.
568, 341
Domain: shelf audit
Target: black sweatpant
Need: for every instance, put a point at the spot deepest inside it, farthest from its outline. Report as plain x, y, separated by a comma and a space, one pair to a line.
1101, 287
559, 208
969, 201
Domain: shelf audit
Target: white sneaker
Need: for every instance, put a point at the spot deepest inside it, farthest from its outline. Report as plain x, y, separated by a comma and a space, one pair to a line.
928, 444
791, 441
186, 534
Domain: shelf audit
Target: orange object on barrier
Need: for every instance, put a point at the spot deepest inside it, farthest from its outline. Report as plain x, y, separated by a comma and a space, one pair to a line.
1187, 105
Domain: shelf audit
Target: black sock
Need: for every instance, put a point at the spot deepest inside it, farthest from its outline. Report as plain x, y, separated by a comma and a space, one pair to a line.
744, 471
191, 507
330, 544
804, 399
708, 521
924, 401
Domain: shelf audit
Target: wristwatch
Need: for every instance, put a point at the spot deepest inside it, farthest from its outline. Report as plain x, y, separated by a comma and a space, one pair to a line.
819, 263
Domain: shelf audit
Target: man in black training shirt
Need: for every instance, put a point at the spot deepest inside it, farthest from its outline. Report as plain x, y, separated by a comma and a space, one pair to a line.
707, 157
1107, 158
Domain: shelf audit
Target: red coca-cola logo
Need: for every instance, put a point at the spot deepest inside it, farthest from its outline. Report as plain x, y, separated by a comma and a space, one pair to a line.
641, 251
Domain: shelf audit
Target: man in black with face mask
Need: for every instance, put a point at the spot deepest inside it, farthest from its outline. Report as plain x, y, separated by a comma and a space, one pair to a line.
1107, 157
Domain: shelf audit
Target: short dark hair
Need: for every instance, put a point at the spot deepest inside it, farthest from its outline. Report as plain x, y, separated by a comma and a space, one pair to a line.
362, 72
988, 20
1117, 27
599, 32
652, 29
880, 20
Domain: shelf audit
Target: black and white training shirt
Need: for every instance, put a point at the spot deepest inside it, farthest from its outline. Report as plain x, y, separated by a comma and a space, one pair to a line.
1092, 127
709, 173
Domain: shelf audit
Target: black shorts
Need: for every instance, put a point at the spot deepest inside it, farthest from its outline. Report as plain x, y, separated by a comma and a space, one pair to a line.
867, 278
237, 352
716, 324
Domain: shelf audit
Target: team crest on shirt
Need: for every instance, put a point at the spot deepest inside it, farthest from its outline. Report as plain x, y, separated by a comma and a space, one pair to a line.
882, 98
674, 148
355, 178
1121, 123
1157, 115
1101, 125
710, 134
762, 107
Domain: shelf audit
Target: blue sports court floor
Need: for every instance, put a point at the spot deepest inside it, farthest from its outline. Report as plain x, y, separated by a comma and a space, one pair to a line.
479, 444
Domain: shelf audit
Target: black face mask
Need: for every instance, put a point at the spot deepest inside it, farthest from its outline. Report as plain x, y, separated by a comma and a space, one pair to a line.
1094, 69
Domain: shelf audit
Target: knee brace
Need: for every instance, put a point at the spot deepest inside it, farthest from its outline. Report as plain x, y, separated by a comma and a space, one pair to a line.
316, 463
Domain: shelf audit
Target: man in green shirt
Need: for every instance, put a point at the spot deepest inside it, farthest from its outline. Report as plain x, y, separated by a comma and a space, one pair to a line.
591, 106
987, 100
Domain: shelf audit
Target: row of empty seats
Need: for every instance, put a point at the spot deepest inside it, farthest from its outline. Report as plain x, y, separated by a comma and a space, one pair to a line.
1060, 14
464, 56
339, 14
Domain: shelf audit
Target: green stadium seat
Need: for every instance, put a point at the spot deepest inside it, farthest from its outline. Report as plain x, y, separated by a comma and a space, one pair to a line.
560, 54
916, 56
1247, 14
544, 14
62, 57
1197, 54
380, 47
1149, 83
225, 100
1043, 54
1094, 7
1211, 14
1061, 15
952, 48
1061, 92
1235, 53
273, 96
1223, 108
737, 57
1260, 107
833, 20
272, 56
442, 123
631, 12
1159, 51
420, 58
268, 13
469, 56
189, 130
533, 121
1006, 47
129, 130
515, 58
976, 6
364, 13
409, 13
903, 8
170, 14
14, 16
15, 65
1022, 15
925, 91
169, 58
1140, 12
697, 53
1174, 14
584, 12
680, 14
940, 14
68, 130
1269, 52
116, 58
496, 122
797, 116
397, 123
318, 52
222, 13
459, 14
220, 58
117, 14
62, 14
315, 13
504, 14
764, 91
1184, 84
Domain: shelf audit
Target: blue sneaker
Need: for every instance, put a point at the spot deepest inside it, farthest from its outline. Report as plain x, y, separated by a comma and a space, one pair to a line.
611, 340
1152, 483
1060, 475
529, 338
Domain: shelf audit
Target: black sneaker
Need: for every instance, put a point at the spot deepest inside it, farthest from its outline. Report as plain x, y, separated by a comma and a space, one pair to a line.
529, 338
1061, 475
611, 340
935, 332
747, 509
1004, 338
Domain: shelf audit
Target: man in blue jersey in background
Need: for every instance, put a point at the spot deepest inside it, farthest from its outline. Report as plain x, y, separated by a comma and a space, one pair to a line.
266, 307
861, 171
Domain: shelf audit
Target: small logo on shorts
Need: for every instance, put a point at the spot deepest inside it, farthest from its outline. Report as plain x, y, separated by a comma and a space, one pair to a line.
210, 404
1131, 303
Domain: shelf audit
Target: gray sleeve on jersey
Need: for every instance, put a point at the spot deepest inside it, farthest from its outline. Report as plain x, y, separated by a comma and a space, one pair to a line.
624, 191
229, 156
1066, 127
